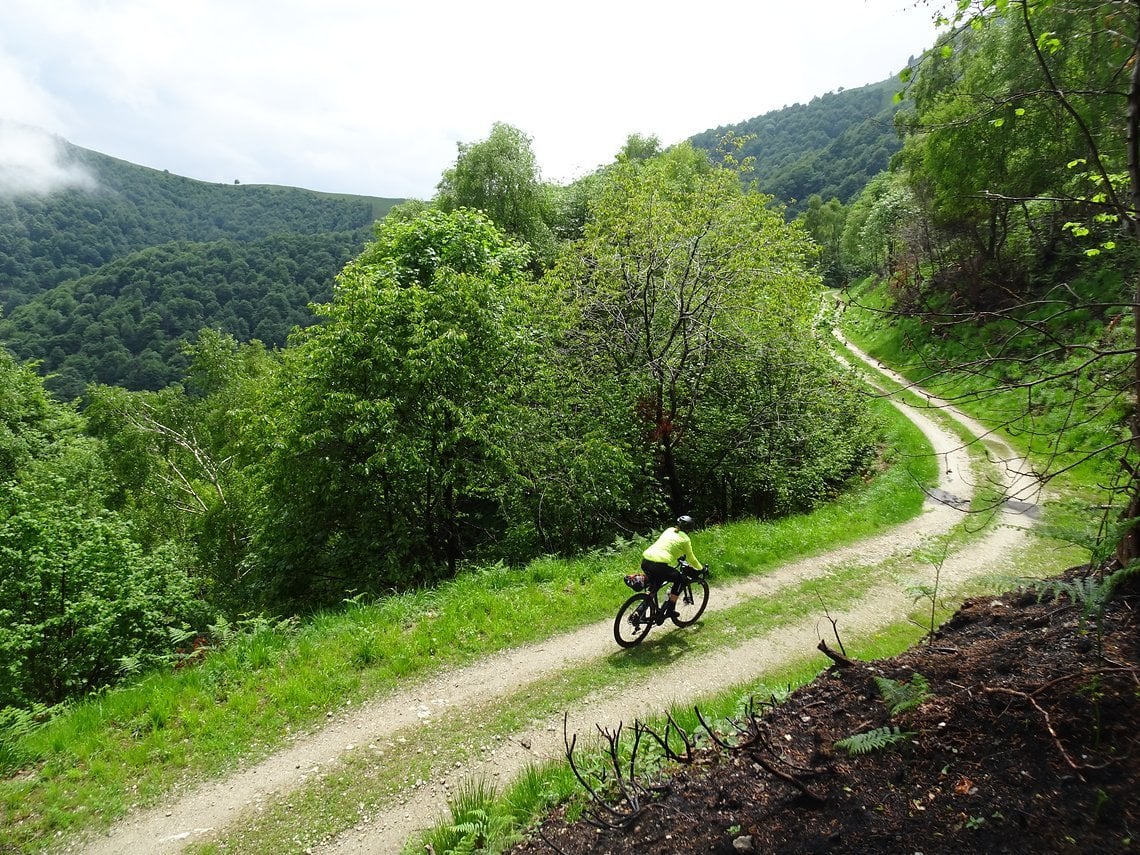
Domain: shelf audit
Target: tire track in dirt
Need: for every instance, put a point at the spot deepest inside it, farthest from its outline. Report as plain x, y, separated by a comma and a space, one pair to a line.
211, 807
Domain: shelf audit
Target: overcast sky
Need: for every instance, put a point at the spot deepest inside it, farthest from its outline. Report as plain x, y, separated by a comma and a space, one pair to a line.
372, 96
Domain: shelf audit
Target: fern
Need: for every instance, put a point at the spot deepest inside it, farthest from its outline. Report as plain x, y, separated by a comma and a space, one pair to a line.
476, 825
1089, 592
873, 740
15, 726
1092, 594
1085, 591
899, 696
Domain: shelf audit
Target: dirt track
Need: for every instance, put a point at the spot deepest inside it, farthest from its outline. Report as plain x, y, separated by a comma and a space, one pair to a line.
412, 714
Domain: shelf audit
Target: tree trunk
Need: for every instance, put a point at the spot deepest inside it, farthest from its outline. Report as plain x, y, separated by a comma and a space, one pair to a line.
1129, 547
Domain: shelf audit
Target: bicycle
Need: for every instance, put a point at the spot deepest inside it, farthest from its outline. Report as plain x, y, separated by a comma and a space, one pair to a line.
641, 612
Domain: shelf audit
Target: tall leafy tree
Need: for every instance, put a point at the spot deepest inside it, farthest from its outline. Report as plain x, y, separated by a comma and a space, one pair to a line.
385, 453
500, 177
78, 592
688, 283
184, 461
1018, 128
1025, 152
825, 221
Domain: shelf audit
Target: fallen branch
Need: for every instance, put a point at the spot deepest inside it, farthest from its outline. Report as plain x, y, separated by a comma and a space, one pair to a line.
834, 629
623, 818
558, 849
838, 658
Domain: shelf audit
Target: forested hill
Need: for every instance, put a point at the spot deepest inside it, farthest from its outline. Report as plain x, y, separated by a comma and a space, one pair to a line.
106, 281
831, 146
48, 239
128, 323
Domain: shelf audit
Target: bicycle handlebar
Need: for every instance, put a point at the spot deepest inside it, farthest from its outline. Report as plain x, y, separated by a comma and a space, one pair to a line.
692, 572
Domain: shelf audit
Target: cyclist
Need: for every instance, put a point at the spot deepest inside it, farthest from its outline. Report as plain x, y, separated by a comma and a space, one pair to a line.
659, 562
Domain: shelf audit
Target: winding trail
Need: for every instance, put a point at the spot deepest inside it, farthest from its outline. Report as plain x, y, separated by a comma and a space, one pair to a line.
411, 715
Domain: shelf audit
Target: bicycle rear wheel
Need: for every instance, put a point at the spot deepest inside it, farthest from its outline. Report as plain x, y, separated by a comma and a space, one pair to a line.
634, 620
691, 604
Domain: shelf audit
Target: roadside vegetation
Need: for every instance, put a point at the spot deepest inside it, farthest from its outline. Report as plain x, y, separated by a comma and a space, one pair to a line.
242, 688
499, 816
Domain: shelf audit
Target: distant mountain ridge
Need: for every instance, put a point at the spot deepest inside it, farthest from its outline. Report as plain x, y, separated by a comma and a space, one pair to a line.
48, 239
831, 146
108, 280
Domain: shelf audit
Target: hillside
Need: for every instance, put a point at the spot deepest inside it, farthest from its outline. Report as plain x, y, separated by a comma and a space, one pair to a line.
46, 240
127, 324
135, 242
107, 282
831, 146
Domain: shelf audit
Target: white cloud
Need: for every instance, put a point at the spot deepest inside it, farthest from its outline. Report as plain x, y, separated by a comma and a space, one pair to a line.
33, 162
371, 96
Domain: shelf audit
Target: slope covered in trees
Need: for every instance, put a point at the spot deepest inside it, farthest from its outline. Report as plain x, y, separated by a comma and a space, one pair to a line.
1005, 236
129, 323
830, 147
107, 279
49, 239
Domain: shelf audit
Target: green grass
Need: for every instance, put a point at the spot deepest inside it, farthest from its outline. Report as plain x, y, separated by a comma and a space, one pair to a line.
365, 783
1070, 535
531, 796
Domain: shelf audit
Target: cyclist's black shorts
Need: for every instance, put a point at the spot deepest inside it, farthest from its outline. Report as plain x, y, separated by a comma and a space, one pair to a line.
660, 573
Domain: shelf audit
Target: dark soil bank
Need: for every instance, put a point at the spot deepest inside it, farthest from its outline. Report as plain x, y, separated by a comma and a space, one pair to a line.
1025, 743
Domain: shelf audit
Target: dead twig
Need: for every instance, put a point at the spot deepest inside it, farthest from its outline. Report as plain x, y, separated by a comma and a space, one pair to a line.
834, 630
753, 737
558, 849
621, 817
663, 739
1048, 723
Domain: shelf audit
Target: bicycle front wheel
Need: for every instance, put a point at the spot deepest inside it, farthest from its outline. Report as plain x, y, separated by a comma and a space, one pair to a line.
634, 620
691, 604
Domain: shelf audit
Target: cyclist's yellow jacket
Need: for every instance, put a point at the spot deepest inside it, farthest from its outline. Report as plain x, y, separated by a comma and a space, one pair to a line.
671, 545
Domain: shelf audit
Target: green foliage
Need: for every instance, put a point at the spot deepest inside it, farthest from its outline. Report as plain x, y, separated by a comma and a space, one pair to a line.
183, 461
29, 421
695, 302
389, 427
500, 177
478, 822
1092, 592
16, 724
825, 222
1014, 148
901, 696
78, 593
877, 227
873, 740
